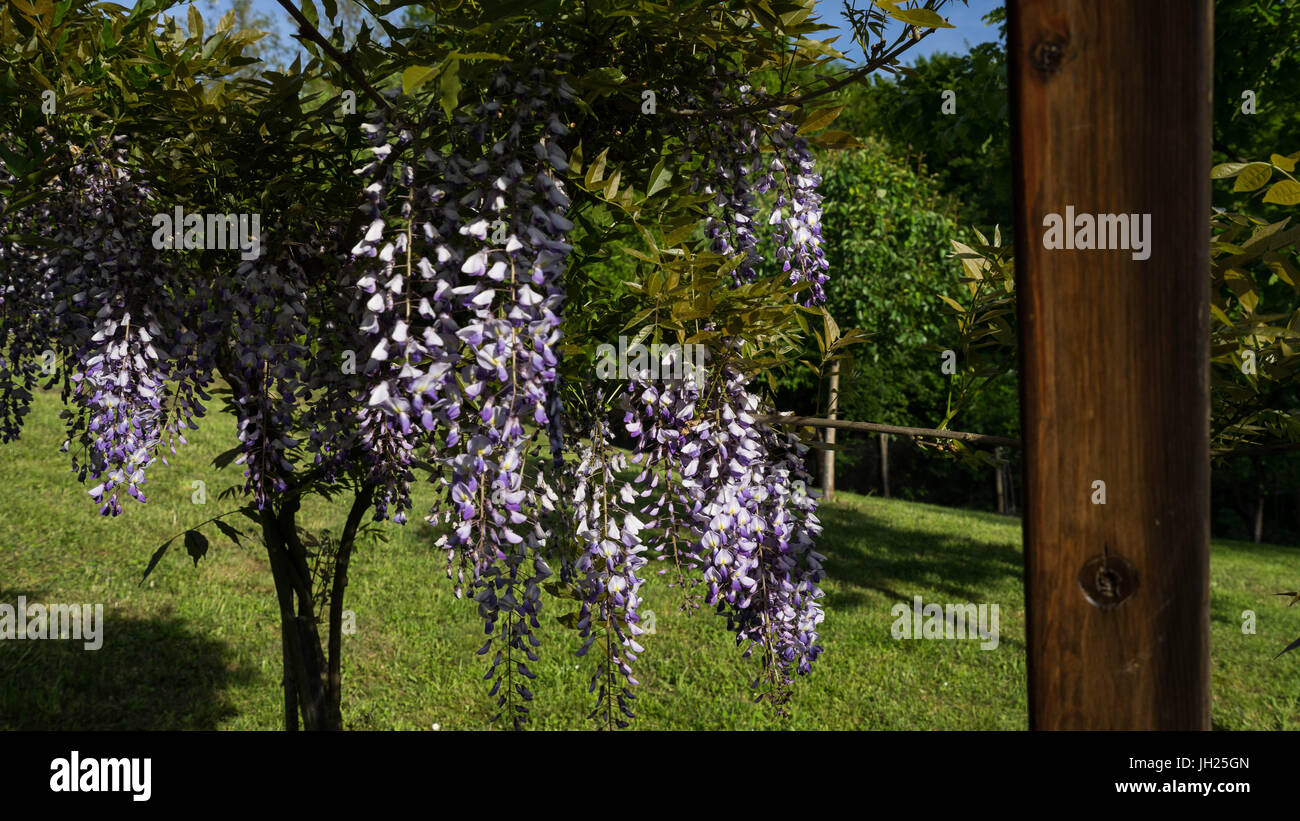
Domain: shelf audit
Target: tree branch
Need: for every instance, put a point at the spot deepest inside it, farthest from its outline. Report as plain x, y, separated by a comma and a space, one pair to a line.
334, 681
306, 29
835, 85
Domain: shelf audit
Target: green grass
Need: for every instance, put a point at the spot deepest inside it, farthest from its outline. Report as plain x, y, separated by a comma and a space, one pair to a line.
198, 647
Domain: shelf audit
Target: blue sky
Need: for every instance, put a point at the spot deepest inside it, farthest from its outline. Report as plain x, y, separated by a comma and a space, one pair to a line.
969, 28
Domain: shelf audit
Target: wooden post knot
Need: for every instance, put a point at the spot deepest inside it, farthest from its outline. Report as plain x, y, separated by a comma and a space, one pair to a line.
1047, 56
1107, 580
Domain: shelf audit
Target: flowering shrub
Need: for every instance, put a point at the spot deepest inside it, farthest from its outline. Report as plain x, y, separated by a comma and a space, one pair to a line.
426, 305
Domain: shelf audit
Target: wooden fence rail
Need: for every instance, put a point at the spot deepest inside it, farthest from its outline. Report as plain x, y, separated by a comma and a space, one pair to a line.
973, 438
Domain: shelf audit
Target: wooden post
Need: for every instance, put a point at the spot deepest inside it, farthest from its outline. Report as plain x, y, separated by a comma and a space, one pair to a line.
997, 480
1257, 530
1009, 478
884, 464
828, 434
1111, 116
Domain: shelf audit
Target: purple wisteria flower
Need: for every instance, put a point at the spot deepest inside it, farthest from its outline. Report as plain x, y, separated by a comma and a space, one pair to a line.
461, 297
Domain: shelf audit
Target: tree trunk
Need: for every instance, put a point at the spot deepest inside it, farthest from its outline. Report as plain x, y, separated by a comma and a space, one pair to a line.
884, 464
313, 681
300, 641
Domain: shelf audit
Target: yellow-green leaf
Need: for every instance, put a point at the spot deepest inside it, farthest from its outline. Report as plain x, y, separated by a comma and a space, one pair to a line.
1253, 176
679, 234
922, 18
659, 178
820, 119
416, 76
450, 87
597, 170
1286, 192
1287, 164
196, 23
1223, 171
957, 306
836, 140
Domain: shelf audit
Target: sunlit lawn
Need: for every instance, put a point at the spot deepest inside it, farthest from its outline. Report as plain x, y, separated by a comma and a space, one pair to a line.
198, 647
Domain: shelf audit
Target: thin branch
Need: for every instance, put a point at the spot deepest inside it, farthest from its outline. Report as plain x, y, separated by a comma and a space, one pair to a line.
360, 504
853, 76
306, 29
1257, 449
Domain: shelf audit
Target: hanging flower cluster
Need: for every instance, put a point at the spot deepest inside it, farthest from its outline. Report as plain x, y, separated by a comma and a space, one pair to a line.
25, 316
731, 494
117, 320
797, 216
731, 152
267, 304
734, 171
734, 502
462, 307
608, 585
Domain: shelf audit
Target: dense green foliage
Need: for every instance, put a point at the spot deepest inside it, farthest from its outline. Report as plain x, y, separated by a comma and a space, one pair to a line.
1255, 49
969, 149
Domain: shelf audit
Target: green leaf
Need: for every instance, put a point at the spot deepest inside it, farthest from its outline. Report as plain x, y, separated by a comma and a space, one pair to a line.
1285, 163
819, 119
309, 11
156, 557
608, 78
1223, 171
416, 76
1286, 192
450, 87
1253, 176
223, 459
921, 18
837, 140
1293, 645
231, 533
196, 544
596, 172
196, 23
659, 178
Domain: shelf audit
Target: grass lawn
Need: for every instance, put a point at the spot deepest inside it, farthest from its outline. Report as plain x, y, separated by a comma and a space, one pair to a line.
198, 647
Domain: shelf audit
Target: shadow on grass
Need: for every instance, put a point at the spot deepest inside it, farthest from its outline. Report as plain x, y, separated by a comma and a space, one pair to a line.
149, 674
865, 552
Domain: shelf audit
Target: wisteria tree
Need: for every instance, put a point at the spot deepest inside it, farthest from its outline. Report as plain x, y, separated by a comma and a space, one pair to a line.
427, 224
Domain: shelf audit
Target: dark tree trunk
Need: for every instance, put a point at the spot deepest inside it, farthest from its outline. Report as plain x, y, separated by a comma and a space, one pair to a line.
313, 681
